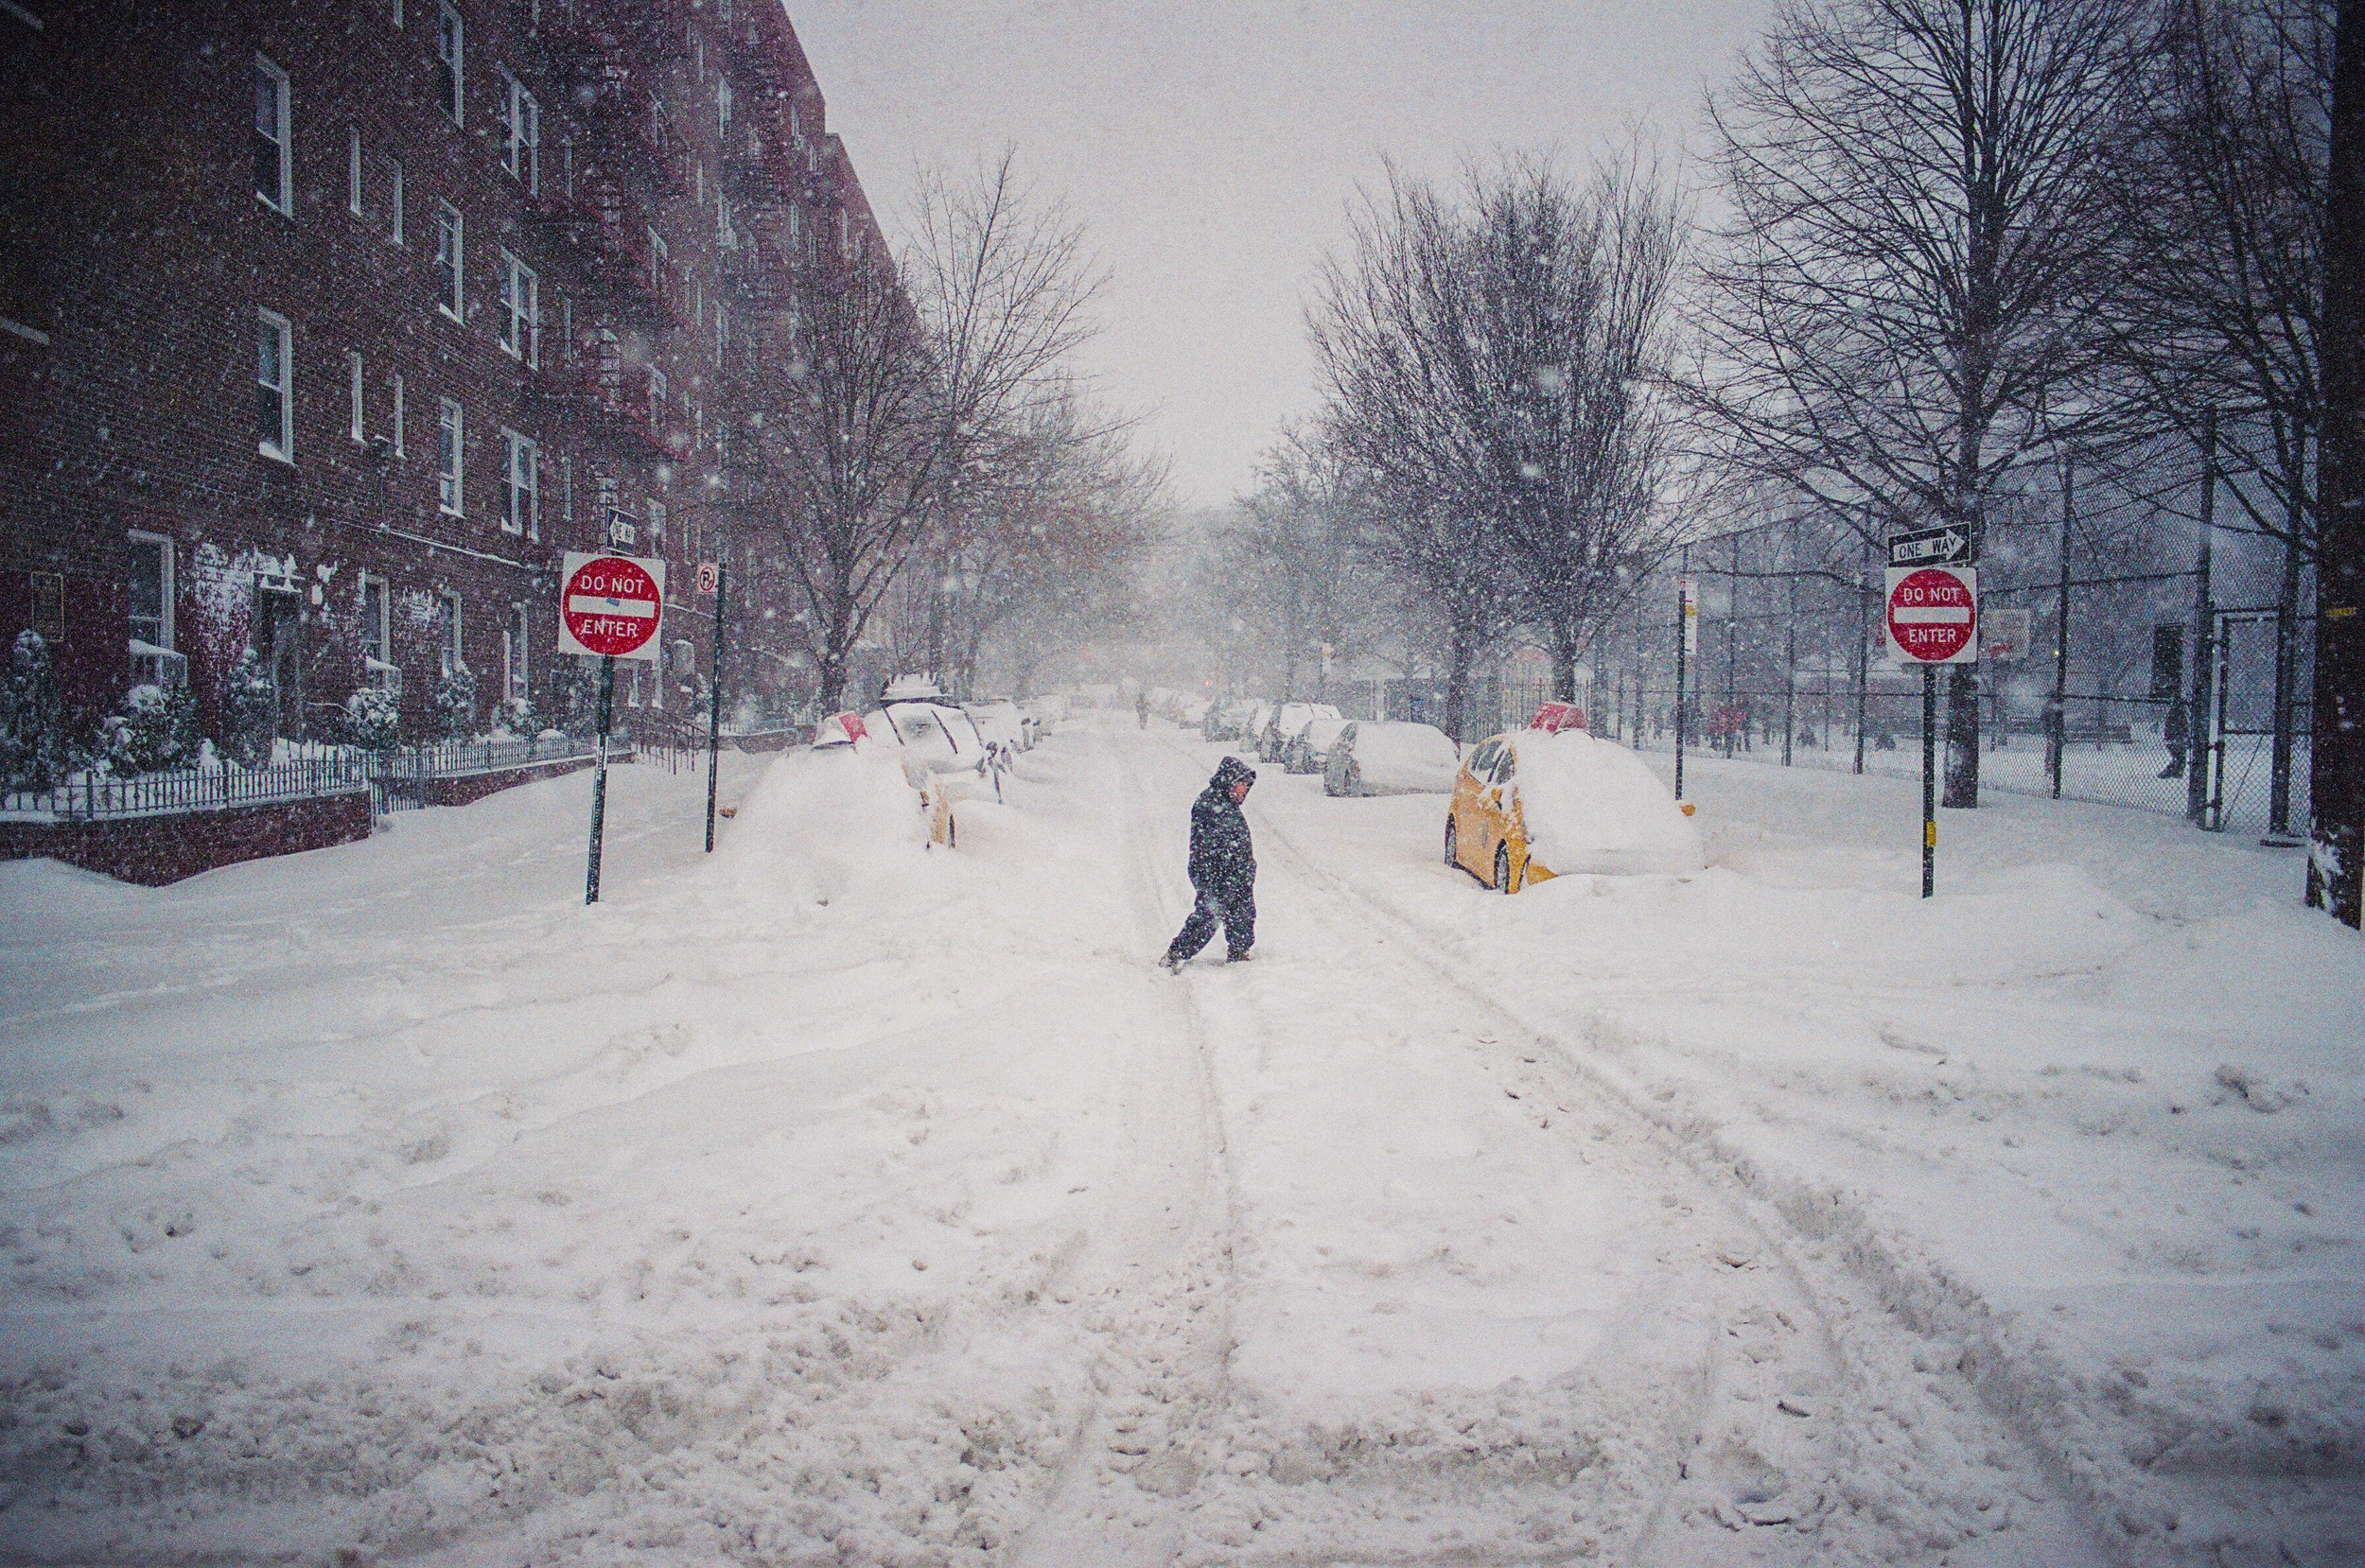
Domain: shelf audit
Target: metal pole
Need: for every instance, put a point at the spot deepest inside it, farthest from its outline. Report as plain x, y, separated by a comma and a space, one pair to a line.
2217, 745
1928, 778
2286, 663
1732, 657
599, 778
1863, 652
714, 700
2196, 722
1789, 671
1683, 637
2057, 720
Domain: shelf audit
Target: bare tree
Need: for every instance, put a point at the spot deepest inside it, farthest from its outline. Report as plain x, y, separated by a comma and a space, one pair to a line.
1291, 546
890, 380
1922, 209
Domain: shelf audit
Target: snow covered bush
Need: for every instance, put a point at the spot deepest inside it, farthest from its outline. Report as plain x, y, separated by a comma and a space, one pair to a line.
455, 702
34, 753
513, 716
374, 716
153, 730
579, 697
250, 701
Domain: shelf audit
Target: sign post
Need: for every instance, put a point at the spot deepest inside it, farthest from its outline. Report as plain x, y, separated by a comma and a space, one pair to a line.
1687, 644
612, 607
711, 580
1933, 619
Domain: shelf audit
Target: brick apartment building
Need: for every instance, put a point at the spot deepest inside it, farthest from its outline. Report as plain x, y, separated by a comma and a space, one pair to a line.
327, 325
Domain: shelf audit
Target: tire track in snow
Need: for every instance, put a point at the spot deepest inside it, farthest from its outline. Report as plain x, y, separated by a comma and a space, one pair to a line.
2064, 1529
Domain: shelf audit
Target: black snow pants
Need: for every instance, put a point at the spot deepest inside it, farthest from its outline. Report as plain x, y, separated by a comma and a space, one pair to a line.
1234, 908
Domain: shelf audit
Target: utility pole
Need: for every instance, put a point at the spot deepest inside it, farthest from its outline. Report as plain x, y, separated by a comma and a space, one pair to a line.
2196, 711
2337, 748
2056, 714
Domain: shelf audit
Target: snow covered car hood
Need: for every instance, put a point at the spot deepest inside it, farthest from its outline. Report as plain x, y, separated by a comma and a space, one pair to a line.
1593, 806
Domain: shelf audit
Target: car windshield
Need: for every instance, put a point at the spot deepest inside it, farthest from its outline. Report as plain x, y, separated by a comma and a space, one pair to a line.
1506, 765
1482, 764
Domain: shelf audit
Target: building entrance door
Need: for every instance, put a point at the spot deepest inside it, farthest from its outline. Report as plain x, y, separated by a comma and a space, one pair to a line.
279, 634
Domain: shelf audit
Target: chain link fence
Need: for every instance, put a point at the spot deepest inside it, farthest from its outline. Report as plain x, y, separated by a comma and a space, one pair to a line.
2090, 687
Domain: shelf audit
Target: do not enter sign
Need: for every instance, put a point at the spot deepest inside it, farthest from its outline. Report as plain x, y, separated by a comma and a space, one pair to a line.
1934, 613
611, 606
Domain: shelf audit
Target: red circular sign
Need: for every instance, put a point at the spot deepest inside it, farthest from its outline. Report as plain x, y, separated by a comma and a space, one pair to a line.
611, 605
1932, 615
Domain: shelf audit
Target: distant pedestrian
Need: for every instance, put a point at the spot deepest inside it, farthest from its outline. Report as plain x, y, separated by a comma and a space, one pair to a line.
1141, 710
1222, 869
2176, 733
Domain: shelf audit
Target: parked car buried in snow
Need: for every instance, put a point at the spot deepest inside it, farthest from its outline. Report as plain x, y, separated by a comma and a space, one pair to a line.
1374, 757
1227, 721
1287, 723
1530, 806
1311, 747
938, 736
846, 734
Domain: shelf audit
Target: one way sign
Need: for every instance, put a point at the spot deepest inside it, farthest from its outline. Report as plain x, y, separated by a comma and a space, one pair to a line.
1929, 547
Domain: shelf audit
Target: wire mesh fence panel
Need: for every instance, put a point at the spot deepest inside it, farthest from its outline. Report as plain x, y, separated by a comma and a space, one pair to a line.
2105, 674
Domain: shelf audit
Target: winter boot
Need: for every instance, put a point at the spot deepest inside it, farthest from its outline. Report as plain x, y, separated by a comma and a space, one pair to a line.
1173, 962
1238, 955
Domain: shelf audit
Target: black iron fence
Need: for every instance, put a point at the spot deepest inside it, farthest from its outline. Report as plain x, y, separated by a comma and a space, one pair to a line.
94, 797
400, 779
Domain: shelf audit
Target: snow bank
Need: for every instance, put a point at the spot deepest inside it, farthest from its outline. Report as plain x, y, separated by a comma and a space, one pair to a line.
1593, 806
826, 822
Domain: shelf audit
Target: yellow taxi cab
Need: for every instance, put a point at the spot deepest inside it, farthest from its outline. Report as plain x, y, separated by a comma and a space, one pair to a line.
1486, 828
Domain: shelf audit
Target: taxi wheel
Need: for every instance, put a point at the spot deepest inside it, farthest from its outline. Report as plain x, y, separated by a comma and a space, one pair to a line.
1453, 843
1502, 870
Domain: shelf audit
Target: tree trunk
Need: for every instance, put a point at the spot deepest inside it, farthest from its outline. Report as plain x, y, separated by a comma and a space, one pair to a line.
1565, 639
2335, 851
1458, 660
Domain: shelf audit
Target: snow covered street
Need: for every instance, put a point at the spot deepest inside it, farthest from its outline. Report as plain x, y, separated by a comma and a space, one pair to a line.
833, 1202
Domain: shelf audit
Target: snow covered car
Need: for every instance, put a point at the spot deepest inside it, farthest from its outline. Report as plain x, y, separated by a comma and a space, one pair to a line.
1001, 722
1043, 713
938, 737
1227, 721
1310, 750
845, 734
1376, 757
1285, 725
1530, 806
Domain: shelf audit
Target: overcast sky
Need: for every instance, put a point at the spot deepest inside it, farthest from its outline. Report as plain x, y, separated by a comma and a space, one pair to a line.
1211, 149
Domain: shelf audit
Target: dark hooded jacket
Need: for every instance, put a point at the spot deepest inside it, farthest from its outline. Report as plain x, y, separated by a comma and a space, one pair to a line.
1221, 856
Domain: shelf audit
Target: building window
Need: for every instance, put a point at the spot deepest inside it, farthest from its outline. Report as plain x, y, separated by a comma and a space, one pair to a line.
397, 12
522, 125
448, 458
722, 330
514, 682
353, 372
520, 502
657, 400
447, 260
151, 591
399, 419
567, 489
353, 170
450, 46
520, 316
394, 198
274, 387
378, 663
448, 632
271, 173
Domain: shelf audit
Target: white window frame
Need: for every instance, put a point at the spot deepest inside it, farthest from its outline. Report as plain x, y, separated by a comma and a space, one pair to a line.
452, 249
353, 170
163, 545
395, 198
658, 392
283, 332
398, 416
521, 485
281, 136
521, 314
521, 149
451, 54
377, 644
450, 651
451, 458
352, 375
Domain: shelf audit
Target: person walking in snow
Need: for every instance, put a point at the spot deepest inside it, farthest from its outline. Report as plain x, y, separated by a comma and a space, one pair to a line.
1141, 710
2176, 732
1222, 868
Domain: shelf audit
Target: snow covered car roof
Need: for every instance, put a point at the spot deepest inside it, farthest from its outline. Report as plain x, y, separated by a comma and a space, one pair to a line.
1396, 757
1593, 806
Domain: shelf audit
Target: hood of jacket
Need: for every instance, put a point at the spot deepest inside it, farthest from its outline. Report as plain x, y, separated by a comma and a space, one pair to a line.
1229, 771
